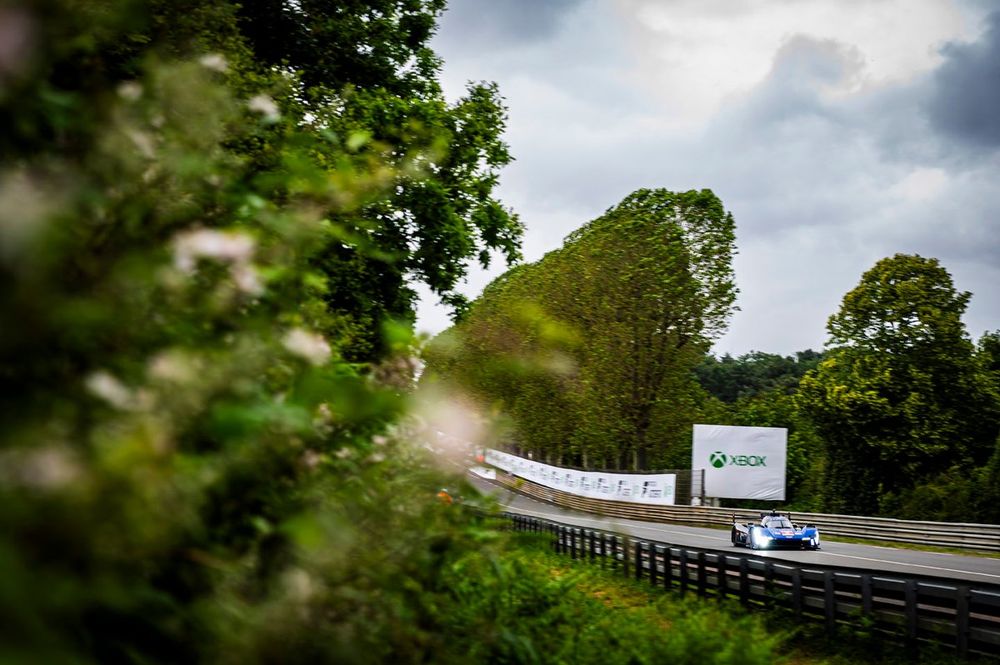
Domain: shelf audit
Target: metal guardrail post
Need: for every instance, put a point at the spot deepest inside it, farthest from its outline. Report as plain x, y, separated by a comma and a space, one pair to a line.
722, 575
769, 584
910, 596
668, 569
744, 581
797, 592
683, 573
962, 621
702, 574
830, 598
866, 596
654, 551
626, 541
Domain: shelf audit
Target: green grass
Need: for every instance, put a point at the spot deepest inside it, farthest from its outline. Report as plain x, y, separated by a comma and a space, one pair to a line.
558, 610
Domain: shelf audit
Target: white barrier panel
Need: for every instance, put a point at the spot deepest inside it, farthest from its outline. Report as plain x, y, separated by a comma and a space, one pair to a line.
655, 488
741, 462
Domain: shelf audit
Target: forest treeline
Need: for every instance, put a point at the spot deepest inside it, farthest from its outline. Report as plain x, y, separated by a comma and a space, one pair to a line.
596, 356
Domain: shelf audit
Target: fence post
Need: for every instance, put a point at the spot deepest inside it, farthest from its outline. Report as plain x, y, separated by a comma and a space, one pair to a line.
639, 546
654, 550
614, 552
962, 621
769, 584
866, 596
625, 552
744, 581
723, 576
797, 592
682, 559
702, 575
592, 545
910, 590
830, 600
668, 569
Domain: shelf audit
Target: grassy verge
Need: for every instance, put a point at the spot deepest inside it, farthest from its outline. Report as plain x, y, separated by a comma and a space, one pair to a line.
536, 606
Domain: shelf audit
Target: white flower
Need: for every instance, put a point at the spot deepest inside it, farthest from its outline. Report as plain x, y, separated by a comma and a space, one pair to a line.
265, 106
110, 389
215, 62
48, 468
230, 246
173, 366
246, 279
130, 90
307, 345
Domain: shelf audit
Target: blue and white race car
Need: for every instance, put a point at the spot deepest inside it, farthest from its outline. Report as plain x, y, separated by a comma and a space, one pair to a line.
775, 530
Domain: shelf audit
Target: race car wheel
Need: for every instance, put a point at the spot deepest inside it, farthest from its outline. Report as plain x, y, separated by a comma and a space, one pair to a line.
732, 537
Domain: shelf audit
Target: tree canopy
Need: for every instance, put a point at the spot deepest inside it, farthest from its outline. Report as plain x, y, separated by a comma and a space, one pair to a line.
898, 399
621, 313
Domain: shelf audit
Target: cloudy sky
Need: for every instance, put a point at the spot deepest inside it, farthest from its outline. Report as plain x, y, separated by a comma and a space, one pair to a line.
837, 132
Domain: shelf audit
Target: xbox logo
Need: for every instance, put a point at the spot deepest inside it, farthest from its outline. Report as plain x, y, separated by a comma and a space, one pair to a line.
717, 459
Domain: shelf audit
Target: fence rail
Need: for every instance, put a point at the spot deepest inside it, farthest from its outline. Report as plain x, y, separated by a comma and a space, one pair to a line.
911, 610
984, 537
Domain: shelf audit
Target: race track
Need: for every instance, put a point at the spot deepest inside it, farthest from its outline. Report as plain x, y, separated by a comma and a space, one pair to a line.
871, 558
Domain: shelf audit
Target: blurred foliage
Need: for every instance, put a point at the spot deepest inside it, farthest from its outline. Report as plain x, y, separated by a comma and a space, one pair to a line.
205, 340
589, 352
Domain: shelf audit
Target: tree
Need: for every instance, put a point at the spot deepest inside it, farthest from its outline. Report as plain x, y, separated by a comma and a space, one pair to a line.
363, 71
898, 398
624, 310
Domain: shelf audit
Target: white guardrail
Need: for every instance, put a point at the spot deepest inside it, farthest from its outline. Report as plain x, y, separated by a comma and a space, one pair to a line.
984, 537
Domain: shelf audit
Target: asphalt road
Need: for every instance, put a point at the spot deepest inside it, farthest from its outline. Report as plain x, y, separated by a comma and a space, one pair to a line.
868, 558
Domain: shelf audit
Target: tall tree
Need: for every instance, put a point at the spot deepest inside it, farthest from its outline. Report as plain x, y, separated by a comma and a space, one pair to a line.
643, 289
898, 399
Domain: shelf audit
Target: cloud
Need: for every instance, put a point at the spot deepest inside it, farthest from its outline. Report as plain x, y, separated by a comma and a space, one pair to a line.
816, 126
504, 23
965, 100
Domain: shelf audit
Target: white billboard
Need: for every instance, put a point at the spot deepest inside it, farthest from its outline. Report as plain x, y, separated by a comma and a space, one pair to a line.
657, 488
741, 462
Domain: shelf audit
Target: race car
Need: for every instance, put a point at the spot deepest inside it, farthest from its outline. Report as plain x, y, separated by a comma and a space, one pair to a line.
775, 530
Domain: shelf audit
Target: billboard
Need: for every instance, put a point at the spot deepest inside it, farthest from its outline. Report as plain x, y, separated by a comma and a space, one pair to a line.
741, 462
656, 488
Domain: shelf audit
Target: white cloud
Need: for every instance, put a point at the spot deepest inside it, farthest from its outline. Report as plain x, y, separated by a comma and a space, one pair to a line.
700, 53
807, 119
